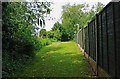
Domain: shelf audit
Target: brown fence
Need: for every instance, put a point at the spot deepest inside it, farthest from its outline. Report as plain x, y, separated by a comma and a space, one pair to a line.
101, 39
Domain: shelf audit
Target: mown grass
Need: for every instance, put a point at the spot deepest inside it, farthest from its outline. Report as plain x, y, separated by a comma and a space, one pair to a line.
60, 59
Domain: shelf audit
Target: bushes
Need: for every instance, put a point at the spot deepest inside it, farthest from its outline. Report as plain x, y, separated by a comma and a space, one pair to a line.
14, 62
59, 33
45, 41
19, 45
12, 66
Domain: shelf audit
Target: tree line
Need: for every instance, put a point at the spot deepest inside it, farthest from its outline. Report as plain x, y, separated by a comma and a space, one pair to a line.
74, 17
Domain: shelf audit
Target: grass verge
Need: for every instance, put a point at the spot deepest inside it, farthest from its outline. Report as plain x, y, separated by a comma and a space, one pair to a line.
59, 59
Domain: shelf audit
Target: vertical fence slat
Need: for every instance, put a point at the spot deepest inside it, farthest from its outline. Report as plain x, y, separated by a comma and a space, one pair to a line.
117, 23
111, 40
97, 43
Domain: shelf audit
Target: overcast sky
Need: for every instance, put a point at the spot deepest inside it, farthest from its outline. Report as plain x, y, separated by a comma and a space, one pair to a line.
57, 9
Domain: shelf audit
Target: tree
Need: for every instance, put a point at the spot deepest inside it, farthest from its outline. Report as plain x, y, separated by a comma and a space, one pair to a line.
18, 43
75, 17
50, 34
57, 31
43, 33
38, 11
99, 6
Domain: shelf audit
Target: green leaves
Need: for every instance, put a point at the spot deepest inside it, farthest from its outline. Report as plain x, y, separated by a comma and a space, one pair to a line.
37, 10
43, 33
72, 16
75, 17
18, 43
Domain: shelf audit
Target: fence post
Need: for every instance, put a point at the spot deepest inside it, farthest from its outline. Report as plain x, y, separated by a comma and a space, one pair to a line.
89, 40
97, 44
107, 41
114, 38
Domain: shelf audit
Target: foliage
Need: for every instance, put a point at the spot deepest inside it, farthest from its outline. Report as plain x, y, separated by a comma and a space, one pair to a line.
58, 33
12, 66
99, 6
19, 45
75, 17
45, 41
36, 13
50, 34
57, 29
71, 17
43, 33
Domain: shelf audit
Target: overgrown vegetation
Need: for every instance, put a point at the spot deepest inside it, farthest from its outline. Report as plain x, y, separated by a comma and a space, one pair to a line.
19, 45
74, 17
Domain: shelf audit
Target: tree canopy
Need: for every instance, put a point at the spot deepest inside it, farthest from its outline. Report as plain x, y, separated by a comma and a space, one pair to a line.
75, 17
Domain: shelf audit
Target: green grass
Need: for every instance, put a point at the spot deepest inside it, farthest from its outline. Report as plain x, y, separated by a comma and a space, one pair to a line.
60, 59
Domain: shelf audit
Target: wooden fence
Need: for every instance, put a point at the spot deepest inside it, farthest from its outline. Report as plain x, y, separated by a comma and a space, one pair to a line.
100, 41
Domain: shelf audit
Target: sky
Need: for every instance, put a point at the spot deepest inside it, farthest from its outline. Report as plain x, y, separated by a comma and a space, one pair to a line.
57, 9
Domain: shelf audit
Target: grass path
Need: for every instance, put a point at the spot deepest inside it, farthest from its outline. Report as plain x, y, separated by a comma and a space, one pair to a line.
60, 59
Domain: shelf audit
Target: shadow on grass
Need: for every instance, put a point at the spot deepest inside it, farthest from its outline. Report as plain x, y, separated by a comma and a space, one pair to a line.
58, 60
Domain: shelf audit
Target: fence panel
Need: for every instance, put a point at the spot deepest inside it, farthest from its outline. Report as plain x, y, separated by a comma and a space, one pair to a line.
100, 41
103, 34
117, 28
105, 41
94, 40
86, 39
111, 50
